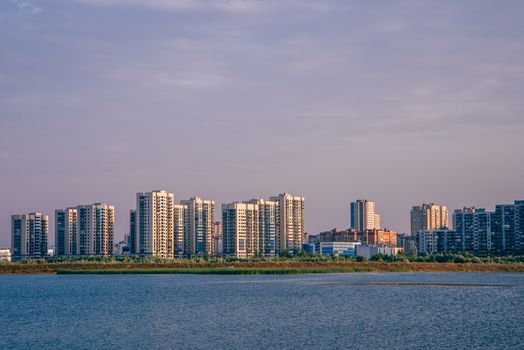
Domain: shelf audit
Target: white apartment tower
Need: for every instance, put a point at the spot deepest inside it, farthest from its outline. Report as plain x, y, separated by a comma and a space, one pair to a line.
155, 224
240, 229
290, 235
86, 230
181, 218
363, 215
29, 236
95, 228
268, 225
428, 216
199, 227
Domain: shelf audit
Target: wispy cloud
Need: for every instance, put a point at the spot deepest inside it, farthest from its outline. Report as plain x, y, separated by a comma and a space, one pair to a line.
26, 8
234, 6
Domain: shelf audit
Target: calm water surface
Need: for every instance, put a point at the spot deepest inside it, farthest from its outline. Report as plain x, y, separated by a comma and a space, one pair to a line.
334, 311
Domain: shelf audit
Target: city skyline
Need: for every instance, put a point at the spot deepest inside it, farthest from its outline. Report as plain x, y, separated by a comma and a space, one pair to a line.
181, 210
403, 104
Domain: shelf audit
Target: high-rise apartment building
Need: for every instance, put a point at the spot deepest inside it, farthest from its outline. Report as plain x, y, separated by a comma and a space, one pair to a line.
428, 216
155, 224
133, 241
66, 231
86, 230
200, 227
181, 220
219, 247
473, 225
240, 229
96, 224
29, 236
290, 235
268, 225
363, 215
508, 229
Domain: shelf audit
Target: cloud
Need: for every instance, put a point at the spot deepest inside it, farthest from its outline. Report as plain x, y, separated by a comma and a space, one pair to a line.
232, 6
26, 8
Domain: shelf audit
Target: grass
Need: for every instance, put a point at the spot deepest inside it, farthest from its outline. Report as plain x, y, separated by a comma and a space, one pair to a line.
246, 267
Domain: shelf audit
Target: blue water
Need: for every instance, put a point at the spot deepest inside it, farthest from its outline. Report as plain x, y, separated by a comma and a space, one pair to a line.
334, 311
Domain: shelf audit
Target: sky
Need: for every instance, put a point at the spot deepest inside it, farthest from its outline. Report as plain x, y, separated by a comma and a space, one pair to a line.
401, 103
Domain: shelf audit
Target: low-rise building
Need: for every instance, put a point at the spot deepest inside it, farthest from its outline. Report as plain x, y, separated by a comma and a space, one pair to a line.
378, 237
336, 248
369, 250
5, 254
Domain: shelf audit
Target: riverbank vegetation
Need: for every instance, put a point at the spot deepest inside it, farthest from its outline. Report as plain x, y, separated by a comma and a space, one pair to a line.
298, 264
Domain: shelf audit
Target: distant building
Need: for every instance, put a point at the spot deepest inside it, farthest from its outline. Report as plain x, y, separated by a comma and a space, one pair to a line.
335, 235
368, 250
155, 224
508, 229
428, 217
86, 230
363, 215
336, 248
29, 236
66, 232
219, 248
133, 237
408, 243
121, 249
439, 241
181, 223
240, 229
5, 254
268, 225
290, 234
378, 237
200, 228
473, 225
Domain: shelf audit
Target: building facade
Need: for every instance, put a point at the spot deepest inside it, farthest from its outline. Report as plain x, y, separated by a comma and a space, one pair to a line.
336, 248
240, 230
219, 244
268, 225
508, 229
290, 235
474, 227
368, 250
96, 223
29, 236
378, 237
181, 220
155, 224
66, 232
85, 230
363, 215
133, 240
200, 227
428, 216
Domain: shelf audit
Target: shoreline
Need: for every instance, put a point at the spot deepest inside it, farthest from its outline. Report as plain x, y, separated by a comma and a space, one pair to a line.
251, 268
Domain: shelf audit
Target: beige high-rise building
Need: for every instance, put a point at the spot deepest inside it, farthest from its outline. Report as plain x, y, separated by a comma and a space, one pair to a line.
85, 230
240, 229
268, 225
199, 227
96, 224
29, 236
428, 217
155, 224
181, 218
290, 235
363, 216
